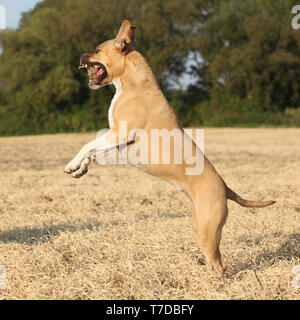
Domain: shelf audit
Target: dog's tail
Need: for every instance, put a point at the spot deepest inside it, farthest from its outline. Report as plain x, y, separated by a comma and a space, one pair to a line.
231, 195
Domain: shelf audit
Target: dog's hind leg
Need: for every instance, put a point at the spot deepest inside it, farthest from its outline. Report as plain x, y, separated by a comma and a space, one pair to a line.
208, 221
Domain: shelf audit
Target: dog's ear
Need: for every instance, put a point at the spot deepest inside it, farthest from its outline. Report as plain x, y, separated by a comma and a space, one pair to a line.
125, 40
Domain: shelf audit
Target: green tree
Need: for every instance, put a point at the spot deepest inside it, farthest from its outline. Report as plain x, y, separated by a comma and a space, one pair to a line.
38, 75
245, 57
250, 50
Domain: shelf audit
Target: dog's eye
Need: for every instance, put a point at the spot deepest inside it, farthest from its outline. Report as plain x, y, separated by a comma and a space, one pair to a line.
97, 51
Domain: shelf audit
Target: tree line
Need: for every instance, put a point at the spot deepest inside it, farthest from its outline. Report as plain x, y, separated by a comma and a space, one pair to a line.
243, 56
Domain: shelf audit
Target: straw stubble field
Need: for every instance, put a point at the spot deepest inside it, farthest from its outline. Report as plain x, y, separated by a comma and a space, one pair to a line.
118, 233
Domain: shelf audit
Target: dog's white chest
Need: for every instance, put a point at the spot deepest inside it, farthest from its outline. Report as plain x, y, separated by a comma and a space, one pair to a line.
117, 83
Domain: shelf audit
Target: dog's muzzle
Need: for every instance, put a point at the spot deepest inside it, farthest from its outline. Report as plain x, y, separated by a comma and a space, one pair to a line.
96, 70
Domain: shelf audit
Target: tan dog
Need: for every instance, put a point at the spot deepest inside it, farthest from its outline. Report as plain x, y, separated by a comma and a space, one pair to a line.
140, 104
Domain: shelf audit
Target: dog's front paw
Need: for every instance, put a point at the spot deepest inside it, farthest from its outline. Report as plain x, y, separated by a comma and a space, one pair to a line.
73, 166
82, 170
78, 168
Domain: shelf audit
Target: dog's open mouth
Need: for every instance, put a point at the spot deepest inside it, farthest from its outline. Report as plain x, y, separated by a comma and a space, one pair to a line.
96, 71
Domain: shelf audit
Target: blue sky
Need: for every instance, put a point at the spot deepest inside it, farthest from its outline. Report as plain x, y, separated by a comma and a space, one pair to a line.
14, 8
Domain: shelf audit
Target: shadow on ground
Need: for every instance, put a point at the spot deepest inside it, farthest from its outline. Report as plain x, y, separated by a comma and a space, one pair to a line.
45, 234
288, 250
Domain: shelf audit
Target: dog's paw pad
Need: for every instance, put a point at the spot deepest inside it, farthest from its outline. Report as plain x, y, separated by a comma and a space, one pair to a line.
82, 170
80, 173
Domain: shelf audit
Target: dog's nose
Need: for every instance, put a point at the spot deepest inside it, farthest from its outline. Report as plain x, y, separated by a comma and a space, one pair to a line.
82, 63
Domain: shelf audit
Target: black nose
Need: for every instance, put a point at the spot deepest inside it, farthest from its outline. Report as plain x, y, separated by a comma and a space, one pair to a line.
82, 63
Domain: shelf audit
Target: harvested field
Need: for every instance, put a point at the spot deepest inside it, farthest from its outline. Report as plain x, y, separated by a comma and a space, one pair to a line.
118, 233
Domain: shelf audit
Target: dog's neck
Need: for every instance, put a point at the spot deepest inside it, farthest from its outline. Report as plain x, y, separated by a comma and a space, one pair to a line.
118, 85
137, 72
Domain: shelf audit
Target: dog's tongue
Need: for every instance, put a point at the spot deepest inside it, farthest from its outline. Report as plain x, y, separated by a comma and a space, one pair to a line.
99, 73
